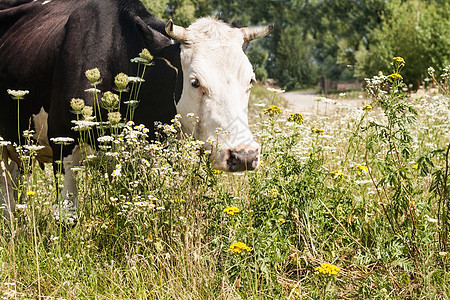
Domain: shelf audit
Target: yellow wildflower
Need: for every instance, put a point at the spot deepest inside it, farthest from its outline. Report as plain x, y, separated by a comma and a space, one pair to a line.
31, 193
178, 199
296, 118
415, 167
326, 268
337, 173
231, 210
273, 193
362, 168
367, 107
272, 111
317, 131
395, 77
398, 62
238, 247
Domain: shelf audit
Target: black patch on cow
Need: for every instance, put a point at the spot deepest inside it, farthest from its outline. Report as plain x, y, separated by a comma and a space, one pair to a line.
47, 48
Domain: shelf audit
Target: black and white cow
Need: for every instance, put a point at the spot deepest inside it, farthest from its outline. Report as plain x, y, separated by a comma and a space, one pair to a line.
46, 46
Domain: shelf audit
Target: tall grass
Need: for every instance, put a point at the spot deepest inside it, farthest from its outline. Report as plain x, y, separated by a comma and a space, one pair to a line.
349, 205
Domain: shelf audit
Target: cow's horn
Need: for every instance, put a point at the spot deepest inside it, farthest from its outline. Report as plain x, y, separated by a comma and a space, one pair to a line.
176, 32
252, 33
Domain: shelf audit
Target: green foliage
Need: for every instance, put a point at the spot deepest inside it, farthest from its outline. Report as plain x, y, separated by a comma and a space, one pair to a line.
294, 60
415, 30
258, 57
156, 7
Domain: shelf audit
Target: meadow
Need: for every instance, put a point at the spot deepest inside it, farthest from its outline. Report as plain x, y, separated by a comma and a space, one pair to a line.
351, 204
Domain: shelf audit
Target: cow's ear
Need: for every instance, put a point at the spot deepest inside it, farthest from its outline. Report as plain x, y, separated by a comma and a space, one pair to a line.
153, 40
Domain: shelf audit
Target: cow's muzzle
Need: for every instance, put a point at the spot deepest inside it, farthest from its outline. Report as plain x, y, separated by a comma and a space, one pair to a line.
242, 160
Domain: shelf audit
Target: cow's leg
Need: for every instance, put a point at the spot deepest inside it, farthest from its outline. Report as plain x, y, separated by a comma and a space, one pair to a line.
66, 210
9, 175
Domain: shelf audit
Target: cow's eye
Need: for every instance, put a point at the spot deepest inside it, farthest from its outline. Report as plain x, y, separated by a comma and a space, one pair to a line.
195, 83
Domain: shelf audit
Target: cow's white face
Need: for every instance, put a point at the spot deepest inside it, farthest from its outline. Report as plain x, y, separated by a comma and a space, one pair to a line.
217, 78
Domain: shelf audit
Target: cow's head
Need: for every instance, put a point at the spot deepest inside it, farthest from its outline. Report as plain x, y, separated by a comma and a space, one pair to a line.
217, 79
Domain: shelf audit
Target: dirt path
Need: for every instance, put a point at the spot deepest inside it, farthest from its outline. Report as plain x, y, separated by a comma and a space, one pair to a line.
305, 102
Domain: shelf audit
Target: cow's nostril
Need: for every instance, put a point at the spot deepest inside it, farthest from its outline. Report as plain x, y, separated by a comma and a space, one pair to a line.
242, 160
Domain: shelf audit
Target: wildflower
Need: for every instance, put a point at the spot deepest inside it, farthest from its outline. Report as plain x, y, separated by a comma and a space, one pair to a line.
217, 172
33, 148
31, 193
275, 90
398, 62
362, 168
415, 167
394, 77
27, 133
273, 193
337, 173
145, 54
105, 139
62, 140
117, 171
317, 131
114, 117
18, 94
231, 210
145, 162
178, 199
273, 110
296, 118
238, 247
135, 79
134, 184
92, 90
431, 71
83, 125
4, 143
87, 112
110, 100
93, 75
281, 221
326, 268
367, 107
121, 81
77, 105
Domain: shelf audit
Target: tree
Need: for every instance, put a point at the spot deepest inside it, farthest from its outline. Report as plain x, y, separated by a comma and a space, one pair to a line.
258, 57
297, 67
415, 30
156, 7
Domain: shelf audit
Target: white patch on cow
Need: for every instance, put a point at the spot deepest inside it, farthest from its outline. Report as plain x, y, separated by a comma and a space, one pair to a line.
46, 1
66, 209
41, 127
216, 87
9, 174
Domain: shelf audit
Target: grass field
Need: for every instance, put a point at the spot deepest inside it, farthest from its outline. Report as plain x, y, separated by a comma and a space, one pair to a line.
349, 205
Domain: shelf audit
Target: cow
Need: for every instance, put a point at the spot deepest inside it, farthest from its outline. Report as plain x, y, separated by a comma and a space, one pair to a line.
46, 47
